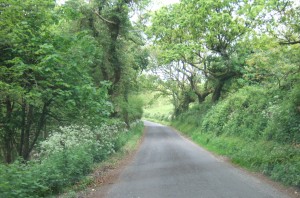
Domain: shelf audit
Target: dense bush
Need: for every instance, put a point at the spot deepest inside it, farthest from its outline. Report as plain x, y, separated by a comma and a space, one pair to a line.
252, 113
240, 114
135, 108
284, 118
66, 157
100, 139
132, 109
20, 180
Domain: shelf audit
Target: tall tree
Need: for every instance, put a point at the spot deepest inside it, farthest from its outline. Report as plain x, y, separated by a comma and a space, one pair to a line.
38, 77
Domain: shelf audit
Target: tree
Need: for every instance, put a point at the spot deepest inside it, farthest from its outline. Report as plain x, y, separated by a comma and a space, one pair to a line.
221, 26
283, 22
23, 29
177, 47
208, 38
62, 65
37, 77
121, 45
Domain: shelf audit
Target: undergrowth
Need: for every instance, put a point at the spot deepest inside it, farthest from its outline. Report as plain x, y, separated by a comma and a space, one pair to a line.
66, 158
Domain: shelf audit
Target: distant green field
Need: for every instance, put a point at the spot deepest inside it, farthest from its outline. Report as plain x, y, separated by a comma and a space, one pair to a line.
157, 108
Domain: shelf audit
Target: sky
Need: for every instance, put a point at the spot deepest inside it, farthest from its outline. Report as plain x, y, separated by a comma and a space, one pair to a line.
156, 3
159, 3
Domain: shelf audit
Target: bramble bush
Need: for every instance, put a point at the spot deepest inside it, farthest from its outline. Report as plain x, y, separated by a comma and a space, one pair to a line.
65, 158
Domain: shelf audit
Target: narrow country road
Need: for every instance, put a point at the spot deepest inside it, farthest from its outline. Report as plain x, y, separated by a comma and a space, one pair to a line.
170, 166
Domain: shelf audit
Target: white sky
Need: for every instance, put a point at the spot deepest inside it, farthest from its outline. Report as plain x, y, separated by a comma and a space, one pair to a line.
156, 4
160, 3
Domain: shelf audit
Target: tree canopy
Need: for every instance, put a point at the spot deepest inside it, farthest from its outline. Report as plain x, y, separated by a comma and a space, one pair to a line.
217, 46
74, 63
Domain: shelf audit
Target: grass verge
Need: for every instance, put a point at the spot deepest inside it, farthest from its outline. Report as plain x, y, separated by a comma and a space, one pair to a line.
279, 162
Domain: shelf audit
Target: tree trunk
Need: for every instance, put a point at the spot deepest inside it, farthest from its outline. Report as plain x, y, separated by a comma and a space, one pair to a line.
22, 127
25, 153
218, 90
183, 105
8, 132
201, 97
114, 30
40, 125
126, 114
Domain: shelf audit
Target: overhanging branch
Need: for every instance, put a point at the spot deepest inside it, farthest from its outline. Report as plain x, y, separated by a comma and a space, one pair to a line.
289, 43
104, 19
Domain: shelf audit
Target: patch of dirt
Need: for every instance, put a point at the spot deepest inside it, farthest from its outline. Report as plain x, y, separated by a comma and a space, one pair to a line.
107, 175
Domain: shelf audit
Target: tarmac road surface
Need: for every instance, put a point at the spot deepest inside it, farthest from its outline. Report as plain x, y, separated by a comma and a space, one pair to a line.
170, 166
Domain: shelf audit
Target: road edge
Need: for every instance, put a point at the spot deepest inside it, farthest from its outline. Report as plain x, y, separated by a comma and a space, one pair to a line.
110, 174
293, 192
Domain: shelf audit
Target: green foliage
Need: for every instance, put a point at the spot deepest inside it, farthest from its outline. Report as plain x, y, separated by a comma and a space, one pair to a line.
62, 65
20, 180
278, 161
273, 64
236, 114
240, 59
256, 127
208, 41
196, 114
134, 108
157, 107
39, 74
66, 167
284, 118
252, 113
65, 160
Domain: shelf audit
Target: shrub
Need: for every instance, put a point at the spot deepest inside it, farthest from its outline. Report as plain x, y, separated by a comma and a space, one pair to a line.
133, 109
253, 113
284, 118
66, 168
238, 115
66, 157
21, 180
